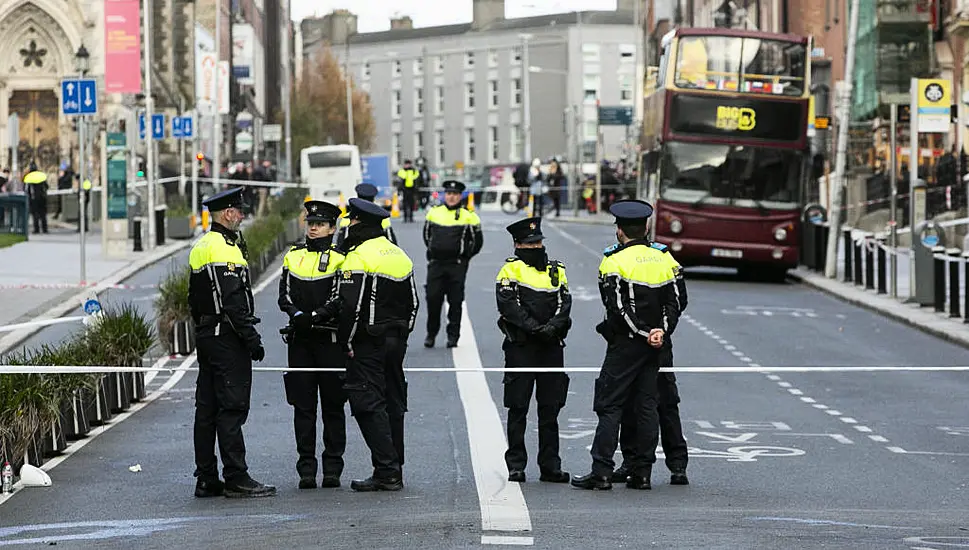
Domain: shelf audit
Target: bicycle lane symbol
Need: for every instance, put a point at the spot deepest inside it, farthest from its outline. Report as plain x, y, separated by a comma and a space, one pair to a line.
746, 453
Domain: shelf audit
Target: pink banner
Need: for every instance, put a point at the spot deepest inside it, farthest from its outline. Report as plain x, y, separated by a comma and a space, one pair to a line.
122, 45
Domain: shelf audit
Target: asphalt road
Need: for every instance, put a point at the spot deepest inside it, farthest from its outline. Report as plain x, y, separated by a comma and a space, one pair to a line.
809, 460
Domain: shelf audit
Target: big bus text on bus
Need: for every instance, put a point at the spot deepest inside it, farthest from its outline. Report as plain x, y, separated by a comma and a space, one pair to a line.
725, 147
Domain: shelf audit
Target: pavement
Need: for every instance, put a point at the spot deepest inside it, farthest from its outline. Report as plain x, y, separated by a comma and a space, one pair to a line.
41, 278
811, 460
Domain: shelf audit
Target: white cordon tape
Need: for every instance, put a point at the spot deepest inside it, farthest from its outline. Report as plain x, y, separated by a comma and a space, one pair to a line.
18, 369
55, 286
48, 322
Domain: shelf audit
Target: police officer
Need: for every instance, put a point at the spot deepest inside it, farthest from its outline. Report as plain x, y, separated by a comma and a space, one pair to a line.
366, 192
534, 305
638, 289
220, 295
452, 234
36, 184
670, 428
380, 306
306, 287
408, 180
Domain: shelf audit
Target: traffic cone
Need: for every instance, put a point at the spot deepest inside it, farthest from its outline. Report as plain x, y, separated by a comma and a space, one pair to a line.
205, 219
531, 205
307, 199
471, 201
343, 205
394, 207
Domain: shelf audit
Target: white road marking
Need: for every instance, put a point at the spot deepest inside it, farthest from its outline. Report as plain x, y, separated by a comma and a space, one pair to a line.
502, 503
878, 438
507, 541
849, 420
807, 400
819, 406
795, 391
833, 412
931, 453
150, 375
863, 429
784, 384
773, 377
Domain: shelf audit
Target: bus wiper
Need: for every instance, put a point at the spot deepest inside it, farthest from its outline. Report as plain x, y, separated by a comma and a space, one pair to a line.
698, 202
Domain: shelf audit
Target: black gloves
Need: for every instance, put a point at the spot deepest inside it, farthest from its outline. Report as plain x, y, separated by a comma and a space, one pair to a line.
549, 333
257, 352
329, 311
302, 321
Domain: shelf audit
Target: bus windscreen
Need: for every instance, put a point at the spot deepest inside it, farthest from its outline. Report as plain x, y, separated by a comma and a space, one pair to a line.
329, 159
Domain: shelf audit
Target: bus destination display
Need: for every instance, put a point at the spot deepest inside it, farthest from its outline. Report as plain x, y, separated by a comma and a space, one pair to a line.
737, 118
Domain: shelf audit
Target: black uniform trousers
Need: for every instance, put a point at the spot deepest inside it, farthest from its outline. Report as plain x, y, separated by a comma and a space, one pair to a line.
410, 197
628, 378
222, 393
377, 392
551, 390
670, 427
302, 389
38, 210
445, 279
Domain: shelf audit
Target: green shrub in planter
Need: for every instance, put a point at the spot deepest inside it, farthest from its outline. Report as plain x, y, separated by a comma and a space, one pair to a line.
172, 304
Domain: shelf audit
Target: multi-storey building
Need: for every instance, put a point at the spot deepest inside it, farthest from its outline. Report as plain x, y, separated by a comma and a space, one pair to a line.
459, 93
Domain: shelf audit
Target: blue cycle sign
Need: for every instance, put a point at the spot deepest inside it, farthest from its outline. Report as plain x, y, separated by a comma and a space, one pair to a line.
92, 306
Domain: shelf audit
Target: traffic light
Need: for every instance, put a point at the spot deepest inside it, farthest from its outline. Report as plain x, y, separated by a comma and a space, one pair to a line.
200, 156
141, 169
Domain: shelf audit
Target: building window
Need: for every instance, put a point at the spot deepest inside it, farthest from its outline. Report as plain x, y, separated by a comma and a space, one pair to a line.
515, 152
365, 71
516, 92
395, 147
438, 64
627, 53
419, 66
590, 53
469, 95
469, 60
625, 87
396, 106
419, 145
439, 137
493, 91
418, 101
439, 99
590, 87
493, 143
492, 58
469, 145
396, 68
516, 56
591, 130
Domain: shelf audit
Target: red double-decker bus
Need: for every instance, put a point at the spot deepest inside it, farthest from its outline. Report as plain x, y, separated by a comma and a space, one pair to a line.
726, 151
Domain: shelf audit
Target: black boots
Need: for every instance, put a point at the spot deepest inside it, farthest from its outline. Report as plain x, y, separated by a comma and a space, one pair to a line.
592, 482
371, 484
206, 488
248, 488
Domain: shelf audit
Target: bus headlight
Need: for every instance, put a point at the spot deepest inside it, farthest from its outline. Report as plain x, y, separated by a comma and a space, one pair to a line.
676, 226
780, 233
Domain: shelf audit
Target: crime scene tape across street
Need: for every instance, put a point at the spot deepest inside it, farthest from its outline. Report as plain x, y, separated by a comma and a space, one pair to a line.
56, 286
60, 369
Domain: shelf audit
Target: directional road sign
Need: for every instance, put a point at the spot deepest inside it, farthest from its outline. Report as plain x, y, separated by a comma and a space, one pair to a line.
79, 96
177, 127
158, 126
615, 116
188, 130
141, 125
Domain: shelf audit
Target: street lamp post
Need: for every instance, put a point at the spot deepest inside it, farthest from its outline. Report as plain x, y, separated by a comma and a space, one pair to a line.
346, 77
526, 103
82, 63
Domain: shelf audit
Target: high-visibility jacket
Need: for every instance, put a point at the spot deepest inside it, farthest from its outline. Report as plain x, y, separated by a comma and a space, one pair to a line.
409, 177
36, 185
681, 295
529, 297
637, 284
308, 280
452, 234
378, 290
219, 290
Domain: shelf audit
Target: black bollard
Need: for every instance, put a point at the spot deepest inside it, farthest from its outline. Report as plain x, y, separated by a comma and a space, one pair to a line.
954, 281
848, 246
882, 267
857, 262
938, 264
869, 263
821, 232
965, 270
137, 231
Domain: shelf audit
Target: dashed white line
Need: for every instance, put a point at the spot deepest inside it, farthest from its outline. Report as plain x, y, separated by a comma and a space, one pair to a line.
784, 384
878, 438
849, 420
819, 406
773, 377
863, 429
833, 412
807, 400
795, 391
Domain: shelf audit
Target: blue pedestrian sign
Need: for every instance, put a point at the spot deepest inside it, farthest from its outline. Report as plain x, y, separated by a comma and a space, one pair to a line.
141, 125
158, 126
177, 127
79, 96
187, 127
92, 306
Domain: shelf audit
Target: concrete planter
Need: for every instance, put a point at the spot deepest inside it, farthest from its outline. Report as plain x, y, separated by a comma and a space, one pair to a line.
183, 337
180, 227
96, 405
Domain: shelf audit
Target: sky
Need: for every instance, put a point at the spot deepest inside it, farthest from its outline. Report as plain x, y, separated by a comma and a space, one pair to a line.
375, 15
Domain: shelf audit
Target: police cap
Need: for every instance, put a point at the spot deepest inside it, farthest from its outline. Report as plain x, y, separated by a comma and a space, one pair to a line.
631, 211
453, 186
228, 198
366, 191
526, 231
321, 211
366, 212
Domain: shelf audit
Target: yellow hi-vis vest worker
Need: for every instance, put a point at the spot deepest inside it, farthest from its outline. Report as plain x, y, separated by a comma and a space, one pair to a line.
637, 284
678, 270
529, 298
219, 289
408, 177
378, 290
